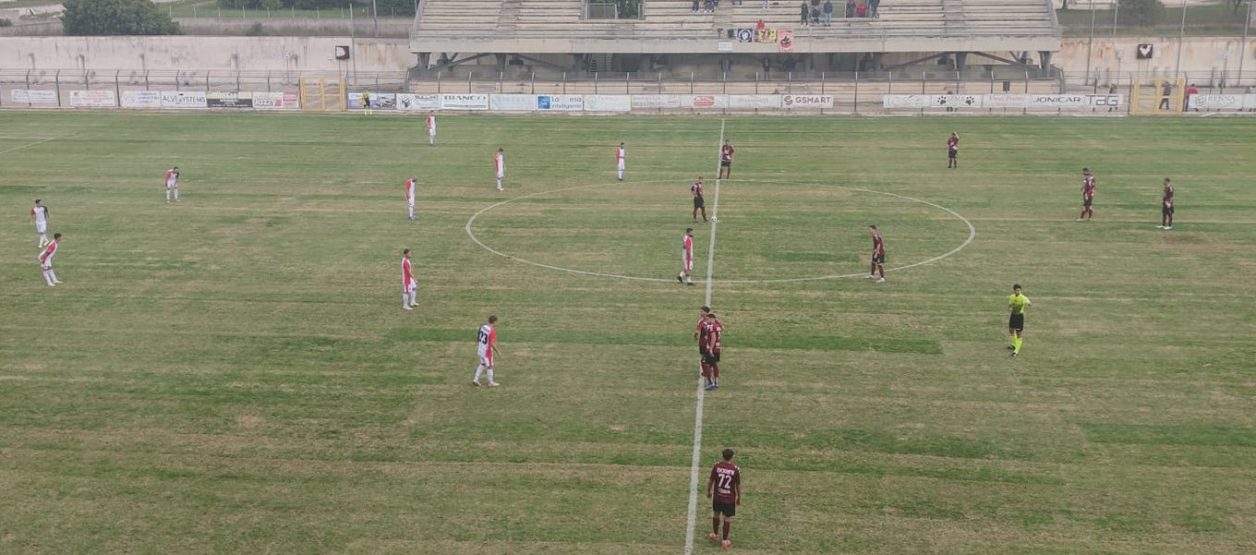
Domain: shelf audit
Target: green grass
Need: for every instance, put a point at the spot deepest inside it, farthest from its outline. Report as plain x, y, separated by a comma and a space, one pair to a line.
233, 373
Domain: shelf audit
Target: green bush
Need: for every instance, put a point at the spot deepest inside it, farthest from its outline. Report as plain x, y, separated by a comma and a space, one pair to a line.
1140, 12
116, 17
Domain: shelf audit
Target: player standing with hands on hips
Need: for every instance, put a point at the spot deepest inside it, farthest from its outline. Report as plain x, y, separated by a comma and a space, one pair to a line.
724, 491
172, 184
486, 345
40, 217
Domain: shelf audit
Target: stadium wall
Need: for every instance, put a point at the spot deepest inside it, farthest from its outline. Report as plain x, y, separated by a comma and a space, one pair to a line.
1199, 54
208, 53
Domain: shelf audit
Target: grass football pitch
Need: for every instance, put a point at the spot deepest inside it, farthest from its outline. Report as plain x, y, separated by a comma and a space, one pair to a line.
234, 373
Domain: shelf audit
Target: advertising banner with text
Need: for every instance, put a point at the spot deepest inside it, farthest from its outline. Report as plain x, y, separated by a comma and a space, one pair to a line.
183, 99
754, 101
807, 101
229, 100
34, 97
560, 103
418, 102
512, 102
607, 103
467, 101
276, 100
95, 98
141, 99
661, 101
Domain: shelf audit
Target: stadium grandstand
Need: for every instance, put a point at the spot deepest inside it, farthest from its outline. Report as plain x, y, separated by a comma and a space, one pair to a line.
684, 36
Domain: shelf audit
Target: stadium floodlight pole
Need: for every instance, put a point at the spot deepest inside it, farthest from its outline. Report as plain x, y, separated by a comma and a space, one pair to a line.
1090, 42
1116, 10
1177, 68
375, 16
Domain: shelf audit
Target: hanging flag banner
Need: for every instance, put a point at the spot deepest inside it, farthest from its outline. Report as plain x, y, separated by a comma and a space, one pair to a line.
786, 41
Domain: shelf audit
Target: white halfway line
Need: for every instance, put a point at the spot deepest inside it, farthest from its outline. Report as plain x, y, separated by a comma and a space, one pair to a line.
28, 145
697, 412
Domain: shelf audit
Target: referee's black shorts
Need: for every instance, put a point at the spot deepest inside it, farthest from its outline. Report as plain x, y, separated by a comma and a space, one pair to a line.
1016, 322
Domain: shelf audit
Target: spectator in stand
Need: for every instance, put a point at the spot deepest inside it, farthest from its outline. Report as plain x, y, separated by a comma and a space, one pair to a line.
861, 10
873, 5
1190, 91
760, 25
1166, 92
804, 13
695, 6
765, 4
850, 9
815, 15
828, 13
1112, 92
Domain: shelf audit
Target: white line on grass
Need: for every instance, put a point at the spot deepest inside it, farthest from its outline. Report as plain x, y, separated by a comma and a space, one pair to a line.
697, 412
28, 145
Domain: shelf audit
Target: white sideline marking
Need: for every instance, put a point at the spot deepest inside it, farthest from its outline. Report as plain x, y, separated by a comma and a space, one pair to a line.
972, 233
697, 412
28, 145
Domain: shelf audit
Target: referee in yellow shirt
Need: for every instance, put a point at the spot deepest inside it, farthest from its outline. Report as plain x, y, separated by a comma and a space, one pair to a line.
1017, 302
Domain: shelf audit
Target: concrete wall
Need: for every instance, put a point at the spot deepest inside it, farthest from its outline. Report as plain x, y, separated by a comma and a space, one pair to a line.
201, 53
1201, 56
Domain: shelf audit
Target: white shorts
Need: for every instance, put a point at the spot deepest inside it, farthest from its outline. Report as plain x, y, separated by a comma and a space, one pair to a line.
501, 175
686, 262
41, 227
620, 165
172, 185
486, 360
409, 287
410, 202
431, 131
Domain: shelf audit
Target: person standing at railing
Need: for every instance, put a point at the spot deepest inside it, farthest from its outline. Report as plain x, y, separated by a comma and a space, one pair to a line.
850, 9
873, 5
828, 13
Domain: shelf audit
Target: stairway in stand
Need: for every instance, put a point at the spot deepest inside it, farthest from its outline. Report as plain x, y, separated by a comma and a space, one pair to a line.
509, 16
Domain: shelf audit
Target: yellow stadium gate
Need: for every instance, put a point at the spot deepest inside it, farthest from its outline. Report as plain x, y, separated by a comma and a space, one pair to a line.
1157, 97
323, 95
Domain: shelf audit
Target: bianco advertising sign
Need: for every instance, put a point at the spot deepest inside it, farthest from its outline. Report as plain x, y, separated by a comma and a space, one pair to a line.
512, 102
418, 102
754, 101
664, 101
607, 103
807, 101
560, 103
467, 101
276, 101
183, 99
34, 97
96, 98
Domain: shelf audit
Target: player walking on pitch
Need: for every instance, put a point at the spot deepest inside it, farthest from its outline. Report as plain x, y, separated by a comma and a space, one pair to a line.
45, 261
698, 202
724, 491
686, 258
1166, 206
486, 342
499, 165
431, 128
1088, 195
409, 286
1017, 303
726, 161
40, 217
878, 255
952, 150
172, 184
714, 331
699, 335
410, 183
619, 161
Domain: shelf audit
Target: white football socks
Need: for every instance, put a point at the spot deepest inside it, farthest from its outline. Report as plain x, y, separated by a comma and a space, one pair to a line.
478, 370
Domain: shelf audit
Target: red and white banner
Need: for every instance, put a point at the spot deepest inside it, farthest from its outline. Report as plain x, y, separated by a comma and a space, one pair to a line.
807, 101
785, 42
704, 101
276, 101
96, 98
